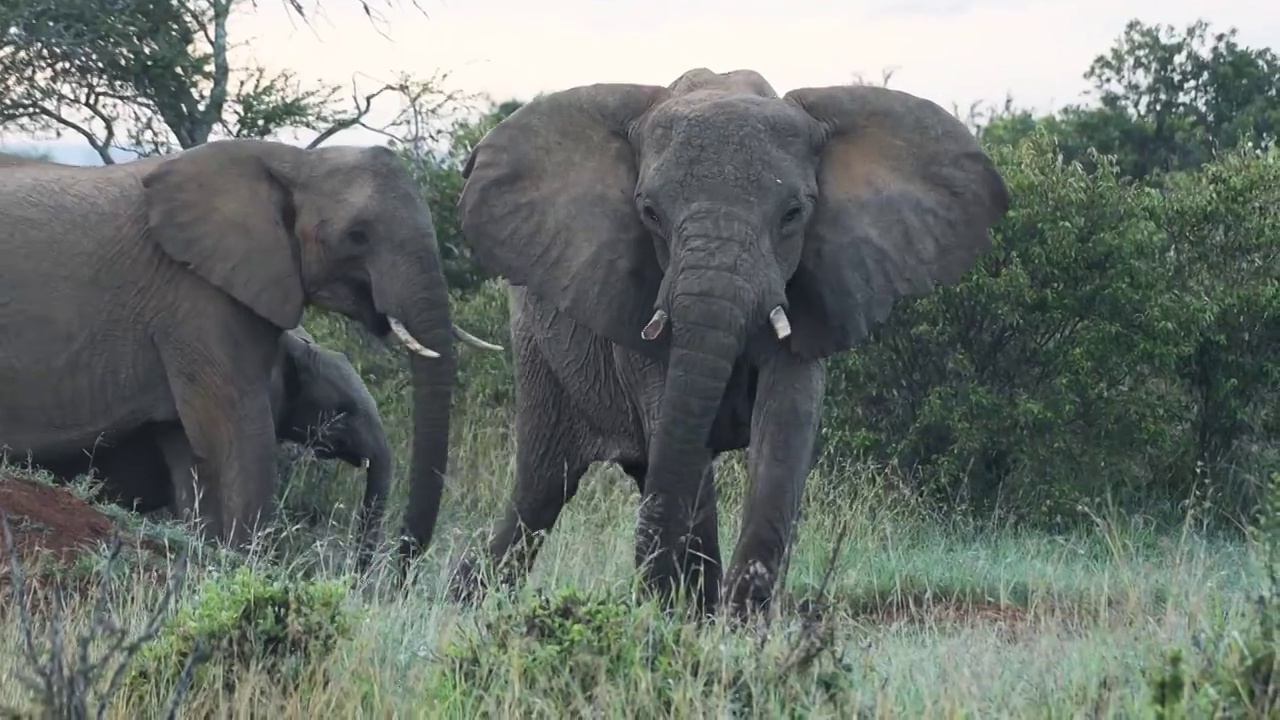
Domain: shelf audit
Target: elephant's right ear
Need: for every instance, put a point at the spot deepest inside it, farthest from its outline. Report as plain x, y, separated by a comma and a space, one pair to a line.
225, 210
548, 204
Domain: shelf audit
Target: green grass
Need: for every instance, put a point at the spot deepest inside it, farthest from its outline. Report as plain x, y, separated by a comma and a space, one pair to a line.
923, 615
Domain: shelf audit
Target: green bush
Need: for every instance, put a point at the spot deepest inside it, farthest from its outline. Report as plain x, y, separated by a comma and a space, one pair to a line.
1040, 370
251, 617
1226, 227
1057, 371
582, 652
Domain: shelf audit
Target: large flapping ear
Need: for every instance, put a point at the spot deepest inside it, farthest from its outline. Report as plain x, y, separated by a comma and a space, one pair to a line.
907, 199
549, 204
225, 210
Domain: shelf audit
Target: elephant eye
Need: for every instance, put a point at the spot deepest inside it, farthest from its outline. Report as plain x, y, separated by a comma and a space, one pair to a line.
651, 215
792, 214
358, 238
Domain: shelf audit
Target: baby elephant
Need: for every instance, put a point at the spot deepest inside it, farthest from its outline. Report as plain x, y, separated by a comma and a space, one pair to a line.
317, 399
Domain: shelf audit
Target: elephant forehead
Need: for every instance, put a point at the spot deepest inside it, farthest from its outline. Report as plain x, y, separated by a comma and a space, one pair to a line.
735, 81
714, 119
735, 142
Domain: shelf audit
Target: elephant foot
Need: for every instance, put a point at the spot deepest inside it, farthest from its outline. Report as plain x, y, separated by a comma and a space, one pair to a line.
468, 585
690, 588
750, 592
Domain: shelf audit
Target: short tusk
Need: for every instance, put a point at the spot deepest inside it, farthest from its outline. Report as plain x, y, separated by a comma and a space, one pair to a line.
403, 336
781, 325
364, 463
472, 340
654, 328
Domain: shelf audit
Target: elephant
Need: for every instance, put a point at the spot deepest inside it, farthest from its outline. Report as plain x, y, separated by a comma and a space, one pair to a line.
681, 260
317, 399
154, 293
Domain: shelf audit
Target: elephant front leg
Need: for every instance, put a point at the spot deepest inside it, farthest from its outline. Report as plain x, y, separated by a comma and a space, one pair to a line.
699, 567
783, 432
230, 430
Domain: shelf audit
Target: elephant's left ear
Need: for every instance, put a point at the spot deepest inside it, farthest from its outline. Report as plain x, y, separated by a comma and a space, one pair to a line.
907, 198
225, 210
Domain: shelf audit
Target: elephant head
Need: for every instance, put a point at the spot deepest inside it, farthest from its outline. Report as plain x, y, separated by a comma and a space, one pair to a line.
712, 220
322, 403
277, 226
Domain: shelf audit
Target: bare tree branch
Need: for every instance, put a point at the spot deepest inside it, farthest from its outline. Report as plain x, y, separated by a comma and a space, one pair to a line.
362, 108
152, 76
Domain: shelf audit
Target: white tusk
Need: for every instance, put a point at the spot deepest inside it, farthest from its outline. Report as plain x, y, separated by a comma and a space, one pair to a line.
403, 336
654, 328
364, 463
472, 340
781, 325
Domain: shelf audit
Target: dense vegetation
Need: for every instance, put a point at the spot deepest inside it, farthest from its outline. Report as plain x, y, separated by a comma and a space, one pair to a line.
1040, 469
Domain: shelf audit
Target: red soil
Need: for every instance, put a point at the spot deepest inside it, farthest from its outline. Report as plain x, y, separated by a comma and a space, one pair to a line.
52, 519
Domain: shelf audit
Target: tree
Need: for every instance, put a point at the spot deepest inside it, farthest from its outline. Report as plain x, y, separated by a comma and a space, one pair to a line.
151, 76
1166, 101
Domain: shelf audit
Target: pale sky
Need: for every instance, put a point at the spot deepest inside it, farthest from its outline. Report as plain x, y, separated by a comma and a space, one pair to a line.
946, 50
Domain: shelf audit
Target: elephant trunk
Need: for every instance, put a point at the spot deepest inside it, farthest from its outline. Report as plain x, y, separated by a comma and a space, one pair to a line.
377, 485
713, 301
424, 312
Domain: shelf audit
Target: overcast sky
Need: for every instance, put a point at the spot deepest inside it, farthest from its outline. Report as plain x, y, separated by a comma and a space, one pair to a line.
947, 50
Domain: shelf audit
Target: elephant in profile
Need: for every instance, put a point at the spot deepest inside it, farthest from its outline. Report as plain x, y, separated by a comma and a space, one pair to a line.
682, 259
154, 293
317, 399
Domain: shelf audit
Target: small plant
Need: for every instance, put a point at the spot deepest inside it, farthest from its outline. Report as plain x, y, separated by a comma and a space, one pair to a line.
565, 646
252, 617
66, 681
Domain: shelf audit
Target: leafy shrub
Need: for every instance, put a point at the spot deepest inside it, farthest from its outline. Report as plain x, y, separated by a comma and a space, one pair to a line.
1042, 366
249, 617
580, 653
1226, 227
1057, 370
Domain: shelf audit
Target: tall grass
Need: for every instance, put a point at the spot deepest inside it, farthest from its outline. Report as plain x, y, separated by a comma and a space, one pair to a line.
913, 614
922, 617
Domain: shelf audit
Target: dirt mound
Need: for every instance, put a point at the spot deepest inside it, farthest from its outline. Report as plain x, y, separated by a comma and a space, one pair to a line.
52, 519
